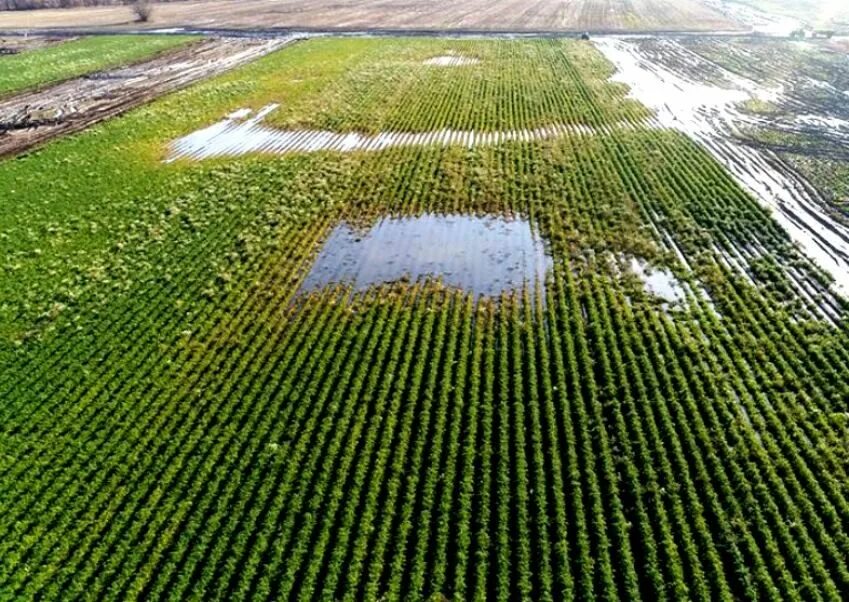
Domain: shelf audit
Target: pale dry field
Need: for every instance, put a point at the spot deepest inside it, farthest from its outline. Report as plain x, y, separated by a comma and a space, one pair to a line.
814, 13
512, 15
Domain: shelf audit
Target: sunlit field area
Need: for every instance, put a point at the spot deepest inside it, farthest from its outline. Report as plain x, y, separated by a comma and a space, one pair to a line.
416, 319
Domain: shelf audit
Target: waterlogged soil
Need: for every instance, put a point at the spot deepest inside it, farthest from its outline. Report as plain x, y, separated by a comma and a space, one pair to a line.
32, 118
451, 60
241, 134
485, 256
807, 125
757, 20
690, 93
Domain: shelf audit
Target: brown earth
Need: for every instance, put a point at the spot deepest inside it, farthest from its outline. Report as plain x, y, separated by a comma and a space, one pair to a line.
509, 15
32, 118
16, 44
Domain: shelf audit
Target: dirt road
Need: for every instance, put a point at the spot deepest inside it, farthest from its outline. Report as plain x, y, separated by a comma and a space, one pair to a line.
29, 119
483, 15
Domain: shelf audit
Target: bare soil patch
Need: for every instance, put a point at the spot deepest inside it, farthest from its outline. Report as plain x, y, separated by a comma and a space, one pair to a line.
29, 119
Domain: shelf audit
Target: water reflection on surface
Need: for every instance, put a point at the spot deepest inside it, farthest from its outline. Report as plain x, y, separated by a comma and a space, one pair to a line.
658, 281
482, 255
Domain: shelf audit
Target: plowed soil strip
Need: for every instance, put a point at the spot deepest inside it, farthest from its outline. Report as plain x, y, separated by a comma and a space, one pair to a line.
33, 118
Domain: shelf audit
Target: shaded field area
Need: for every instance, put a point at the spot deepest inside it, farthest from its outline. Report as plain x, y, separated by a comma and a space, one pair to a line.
510, 15
54, 62
661, 417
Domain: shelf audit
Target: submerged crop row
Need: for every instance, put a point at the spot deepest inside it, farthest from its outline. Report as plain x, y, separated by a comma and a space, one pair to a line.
176, 420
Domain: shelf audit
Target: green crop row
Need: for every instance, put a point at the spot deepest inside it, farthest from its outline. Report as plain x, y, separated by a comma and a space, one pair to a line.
178, 419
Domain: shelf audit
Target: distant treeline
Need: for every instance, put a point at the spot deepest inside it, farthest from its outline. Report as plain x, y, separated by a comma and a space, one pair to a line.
32, 4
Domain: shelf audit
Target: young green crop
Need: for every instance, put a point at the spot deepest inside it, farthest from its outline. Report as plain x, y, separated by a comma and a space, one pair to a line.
78, 57
178, 418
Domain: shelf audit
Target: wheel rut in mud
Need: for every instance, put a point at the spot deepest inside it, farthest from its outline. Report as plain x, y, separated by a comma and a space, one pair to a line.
35, 117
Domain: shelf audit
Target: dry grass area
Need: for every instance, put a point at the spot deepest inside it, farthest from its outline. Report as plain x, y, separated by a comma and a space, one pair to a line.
530, 15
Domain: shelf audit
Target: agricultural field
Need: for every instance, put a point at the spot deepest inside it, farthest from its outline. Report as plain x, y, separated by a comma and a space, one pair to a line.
481, 15
806, 119
812, 13
56, 62
773, 112
34, 117
564, 355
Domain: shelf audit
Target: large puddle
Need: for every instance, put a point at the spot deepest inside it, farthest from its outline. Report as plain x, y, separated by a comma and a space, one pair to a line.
482, 255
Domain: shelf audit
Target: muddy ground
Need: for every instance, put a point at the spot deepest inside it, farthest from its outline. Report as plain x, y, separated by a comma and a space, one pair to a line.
17, 44
33, 118
723, 94
512, 15
805, 118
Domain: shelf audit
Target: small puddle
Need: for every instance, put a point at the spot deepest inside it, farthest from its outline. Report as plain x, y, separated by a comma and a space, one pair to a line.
659, 282
482, 255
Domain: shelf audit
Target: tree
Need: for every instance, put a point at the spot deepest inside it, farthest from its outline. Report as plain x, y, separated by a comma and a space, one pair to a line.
142, 9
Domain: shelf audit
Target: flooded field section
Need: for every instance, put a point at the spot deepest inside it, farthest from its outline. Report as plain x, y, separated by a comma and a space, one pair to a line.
720, 106
241, 134
757, 20
482, 255
807, 124
33, 118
